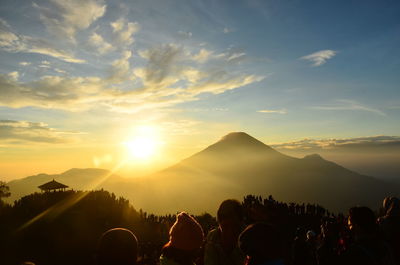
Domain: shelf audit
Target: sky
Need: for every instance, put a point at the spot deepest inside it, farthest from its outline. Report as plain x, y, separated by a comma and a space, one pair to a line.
82, 81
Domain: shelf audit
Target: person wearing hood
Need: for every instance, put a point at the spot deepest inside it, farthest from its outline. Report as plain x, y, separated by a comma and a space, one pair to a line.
185, 240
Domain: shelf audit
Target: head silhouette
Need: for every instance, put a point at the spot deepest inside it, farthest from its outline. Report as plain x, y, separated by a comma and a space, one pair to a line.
117, 246
261, 242
186, 233
362, 220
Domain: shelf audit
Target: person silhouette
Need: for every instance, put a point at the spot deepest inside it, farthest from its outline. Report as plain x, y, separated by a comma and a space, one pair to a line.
117, 246
368, 247
262, 244
185, 240
221, 246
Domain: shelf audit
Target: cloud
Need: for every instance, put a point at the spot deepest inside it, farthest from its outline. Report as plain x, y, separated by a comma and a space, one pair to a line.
203, 56
31, 132
24, 63
97, 41
124, 31
60, 71
65, 18
14, 75
205, 109
7, 38
168, 77
118, 25
345, 104
50, 92
230, 57
227, 30
185, 34
45, 64
329, 144
12, 42
236, 56
162, 63
219, 82
120, 69
282, 111
320, 57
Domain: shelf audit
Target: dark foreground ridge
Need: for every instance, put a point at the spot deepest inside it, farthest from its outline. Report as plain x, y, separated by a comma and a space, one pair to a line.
65, 227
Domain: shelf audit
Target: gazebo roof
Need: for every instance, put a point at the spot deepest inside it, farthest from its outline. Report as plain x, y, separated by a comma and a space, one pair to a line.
52, 185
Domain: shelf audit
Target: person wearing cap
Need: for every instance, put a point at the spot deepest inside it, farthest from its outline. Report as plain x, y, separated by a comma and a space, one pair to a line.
117, 246
185, 240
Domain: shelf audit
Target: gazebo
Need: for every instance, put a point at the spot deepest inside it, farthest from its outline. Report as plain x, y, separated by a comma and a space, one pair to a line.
53, 186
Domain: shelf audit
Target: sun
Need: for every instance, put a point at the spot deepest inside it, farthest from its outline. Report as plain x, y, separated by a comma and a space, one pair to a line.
141, 147
143, 144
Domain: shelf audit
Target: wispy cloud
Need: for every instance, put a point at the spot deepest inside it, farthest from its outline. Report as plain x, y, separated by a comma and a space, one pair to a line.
324, 144
24, 63
319, 58
227, 30
65, 18
121, 70
124, 31
185, 34
15, 43
167, 73
15, 132
14, 75
97, 41
345, 104
236, 57
169, 77
281, 111
50, 92
203, 56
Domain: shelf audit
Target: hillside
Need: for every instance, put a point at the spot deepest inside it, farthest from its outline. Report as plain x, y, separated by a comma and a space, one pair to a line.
75, 178
236, 165
240, 164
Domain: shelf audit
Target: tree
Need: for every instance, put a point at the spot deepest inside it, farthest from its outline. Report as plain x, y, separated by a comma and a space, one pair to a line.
4, 190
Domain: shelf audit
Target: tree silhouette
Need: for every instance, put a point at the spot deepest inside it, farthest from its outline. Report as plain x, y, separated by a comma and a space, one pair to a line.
4, 190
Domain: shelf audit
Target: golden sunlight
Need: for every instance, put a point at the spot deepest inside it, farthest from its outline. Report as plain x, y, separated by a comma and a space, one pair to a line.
144, 143
141, 147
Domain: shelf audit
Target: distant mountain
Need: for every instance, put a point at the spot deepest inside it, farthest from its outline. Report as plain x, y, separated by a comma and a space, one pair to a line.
239, 164
233, 167
76, 178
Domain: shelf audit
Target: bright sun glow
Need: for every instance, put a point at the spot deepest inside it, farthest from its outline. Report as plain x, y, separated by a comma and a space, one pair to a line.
141, 147
144, 143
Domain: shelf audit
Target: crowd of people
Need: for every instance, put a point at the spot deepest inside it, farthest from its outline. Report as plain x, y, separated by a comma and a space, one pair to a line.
261, 231
360, 238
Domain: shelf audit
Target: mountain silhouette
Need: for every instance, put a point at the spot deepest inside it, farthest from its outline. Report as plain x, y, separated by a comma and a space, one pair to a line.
76, 178
238, 165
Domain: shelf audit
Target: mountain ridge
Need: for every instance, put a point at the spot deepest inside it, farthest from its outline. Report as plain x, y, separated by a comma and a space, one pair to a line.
239, 164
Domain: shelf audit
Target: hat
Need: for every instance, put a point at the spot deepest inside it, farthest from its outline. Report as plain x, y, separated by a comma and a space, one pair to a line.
186, 233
